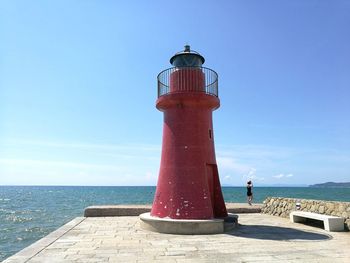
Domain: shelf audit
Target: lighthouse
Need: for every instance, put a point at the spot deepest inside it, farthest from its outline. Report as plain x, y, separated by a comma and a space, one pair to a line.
188, 187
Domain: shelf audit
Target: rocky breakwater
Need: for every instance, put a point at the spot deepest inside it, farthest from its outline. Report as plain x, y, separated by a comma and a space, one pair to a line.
279, 206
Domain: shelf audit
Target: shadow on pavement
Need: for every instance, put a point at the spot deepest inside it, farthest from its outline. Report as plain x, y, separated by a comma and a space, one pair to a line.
276, 233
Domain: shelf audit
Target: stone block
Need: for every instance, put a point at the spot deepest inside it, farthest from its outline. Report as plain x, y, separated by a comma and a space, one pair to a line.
321, 209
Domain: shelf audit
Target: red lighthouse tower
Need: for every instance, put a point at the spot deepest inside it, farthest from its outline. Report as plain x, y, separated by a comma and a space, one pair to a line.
188, 184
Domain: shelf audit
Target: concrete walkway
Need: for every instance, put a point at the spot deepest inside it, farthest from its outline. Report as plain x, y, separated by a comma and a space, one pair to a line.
259, 238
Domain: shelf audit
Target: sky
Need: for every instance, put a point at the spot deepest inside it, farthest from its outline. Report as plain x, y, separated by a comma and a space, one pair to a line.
78, 85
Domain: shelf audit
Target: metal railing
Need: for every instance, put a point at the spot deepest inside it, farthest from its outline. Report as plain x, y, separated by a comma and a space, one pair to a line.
188, 79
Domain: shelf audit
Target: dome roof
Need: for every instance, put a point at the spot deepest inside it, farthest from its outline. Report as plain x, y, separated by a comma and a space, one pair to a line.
187, 52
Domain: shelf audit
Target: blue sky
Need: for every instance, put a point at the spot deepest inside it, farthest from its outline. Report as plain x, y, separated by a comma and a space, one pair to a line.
78, 88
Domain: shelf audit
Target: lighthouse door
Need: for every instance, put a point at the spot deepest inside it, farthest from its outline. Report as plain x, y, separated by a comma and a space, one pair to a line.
215, 194
211, 182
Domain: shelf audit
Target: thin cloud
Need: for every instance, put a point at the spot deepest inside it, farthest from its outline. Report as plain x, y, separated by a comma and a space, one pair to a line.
41, 164
252, 176
86, 146
51, 162
232, 165
280, 176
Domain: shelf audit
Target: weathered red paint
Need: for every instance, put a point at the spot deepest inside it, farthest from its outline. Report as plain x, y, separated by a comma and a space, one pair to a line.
187, 80
188, 184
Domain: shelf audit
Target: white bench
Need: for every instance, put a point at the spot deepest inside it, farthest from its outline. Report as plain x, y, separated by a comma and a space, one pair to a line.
331, 223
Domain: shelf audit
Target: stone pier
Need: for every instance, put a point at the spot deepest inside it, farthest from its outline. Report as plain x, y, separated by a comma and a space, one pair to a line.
258, 238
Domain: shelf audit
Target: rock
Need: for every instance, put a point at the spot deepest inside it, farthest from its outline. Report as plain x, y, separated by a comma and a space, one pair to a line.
344, 214
330, 206
347, 224
321, 209
312, 209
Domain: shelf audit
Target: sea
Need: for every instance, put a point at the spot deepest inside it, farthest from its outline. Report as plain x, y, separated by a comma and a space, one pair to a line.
28, 213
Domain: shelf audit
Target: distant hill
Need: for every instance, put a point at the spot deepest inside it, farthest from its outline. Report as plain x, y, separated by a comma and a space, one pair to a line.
331, 185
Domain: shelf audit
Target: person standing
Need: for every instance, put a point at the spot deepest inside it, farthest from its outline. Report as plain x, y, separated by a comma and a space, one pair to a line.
249, 192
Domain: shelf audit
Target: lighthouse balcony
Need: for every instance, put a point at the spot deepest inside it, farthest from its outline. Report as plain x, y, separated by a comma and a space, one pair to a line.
188, 80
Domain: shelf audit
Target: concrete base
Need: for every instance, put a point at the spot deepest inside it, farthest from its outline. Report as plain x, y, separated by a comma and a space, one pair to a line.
188, 226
